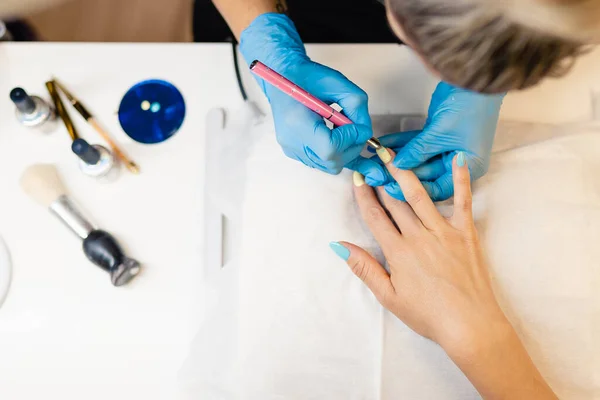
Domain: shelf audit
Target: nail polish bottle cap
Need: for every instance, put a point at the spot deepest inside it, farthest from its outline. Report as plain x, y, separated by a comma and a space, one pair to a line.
22, 100
87, 153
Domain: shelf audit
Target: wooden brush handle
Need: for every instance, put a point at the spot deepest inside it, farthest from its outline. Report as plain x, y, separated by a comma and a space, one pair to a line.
131, 166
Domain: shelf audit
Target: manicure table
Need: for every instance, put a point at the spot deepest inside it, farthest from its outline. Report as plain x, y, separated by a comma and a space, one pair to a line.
65, 331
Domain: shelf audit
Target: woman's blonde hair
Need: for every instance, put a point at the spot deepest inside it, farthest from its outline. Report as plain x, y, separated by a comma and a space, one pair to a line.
494, 46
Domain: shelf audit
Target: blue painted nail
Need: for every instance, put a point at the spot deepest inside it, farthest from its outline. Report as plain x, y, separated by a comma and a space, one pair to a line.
460, 159
340, 250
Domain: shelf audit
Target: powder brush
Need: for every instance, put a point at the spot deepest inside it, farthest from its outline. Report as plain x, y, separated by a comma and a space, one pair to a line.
42, 183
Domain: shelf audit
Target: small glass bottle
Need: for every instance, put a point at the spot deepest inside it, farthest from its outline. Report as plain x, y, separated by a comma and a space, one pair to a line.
96, 161
33, 111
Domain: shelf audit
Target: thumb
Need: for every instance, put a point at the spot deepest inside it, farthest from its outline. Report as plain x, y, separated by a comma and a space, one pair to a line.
441, 189
365, 267
346, 136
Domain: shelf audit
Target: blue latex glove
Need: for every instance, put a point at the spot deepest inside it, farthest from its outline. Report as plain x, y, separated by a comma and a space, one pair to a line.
458, 120
272, 39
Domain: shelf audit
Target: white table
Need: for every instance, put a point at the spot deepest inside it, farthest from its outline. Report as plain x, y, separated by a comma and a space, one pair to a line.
65, 332
64, 329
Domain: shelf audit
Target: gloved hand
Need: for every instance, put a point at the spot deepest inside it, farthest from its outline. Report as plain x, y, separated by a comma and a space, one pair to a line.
272, 39
458, 120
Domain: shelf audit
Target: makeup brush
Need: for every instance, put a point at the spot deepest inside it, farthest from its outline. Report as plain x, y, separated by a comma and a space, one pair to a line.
61, 110
131, 166
43, 184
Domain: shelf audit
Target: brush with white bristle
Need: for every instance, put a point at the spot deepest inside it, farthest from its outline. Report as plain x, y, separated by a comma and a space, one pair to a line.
43, 184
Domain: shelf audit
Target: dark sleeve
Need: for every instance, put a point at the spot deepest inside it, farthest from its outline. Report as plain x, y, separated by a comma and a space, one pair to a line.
355, 21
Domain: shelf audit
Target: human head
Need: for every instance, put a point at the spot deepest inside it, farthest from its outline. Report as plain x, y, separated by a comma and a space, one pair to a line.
493, 46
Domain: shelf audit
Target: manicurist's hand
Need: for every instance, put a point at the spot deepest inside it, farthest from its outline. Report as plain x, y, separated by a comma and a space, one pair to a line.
438, 281
458, 120
272, 39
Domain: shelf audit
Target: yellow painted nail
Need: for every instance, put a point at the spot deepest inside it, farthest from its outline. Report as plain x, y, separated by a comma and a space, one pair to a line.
358, 179
384, 155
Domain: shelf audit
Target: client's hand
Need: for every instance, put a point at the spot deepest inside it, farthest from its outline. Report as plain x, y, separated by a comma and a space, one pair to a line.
438, 282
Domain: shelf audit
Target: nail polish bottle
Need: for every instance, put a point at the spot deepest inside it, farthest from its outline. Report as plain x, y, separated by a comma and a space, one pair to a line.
95, 161
33, 111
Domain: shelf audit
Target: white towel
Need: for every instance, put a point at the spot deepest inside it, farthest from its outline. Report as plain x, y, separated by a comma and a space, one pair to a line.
306, 328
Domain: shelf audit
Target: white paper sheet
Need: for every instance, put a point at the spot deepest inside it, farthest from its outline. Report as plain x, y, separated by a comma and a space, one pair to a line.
306, 328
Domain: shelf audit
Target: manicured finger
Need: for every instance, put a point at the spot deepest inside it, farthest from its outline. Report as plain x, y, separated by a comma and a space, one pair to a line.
438, 190
402, 213
395, 140
375, 216
463, 198
429, 171
414, 192
365, 267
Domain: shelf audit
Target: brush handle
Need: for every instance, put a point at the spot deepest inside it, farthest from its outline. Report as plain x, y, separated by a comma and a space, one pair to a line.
71, 216
102, 249
61, 110
129, 164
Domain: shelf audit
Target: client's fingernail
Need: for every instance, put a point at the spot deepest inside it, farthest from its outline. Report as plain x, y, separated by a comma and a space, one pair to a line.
384, 155
340, 250
460, 159
358, 179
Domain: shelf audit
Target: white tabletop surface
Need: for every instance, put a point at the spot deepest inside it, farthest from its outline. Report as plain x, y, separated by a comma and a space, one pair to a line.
64, 329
